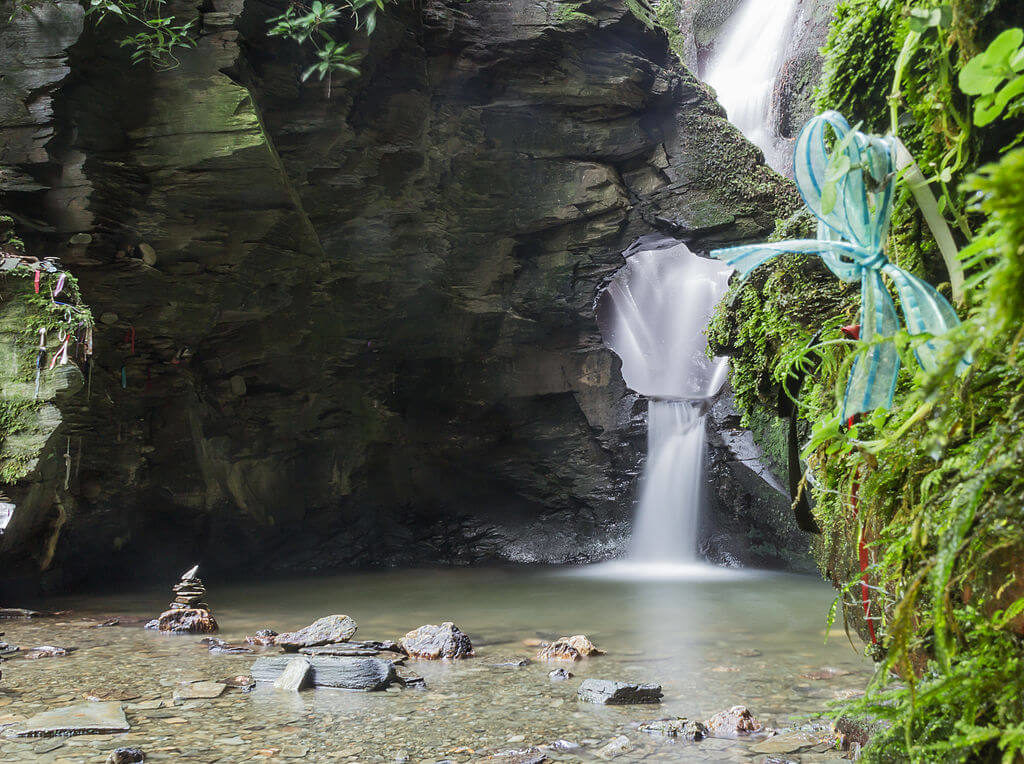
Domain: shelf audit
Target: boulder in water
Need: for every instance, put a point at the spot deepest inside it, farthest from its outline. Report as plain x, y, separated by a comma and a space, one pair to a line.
611, 693
560, 675
444, 642
6, 648
568, 649
736, 721
47, 651
330, 629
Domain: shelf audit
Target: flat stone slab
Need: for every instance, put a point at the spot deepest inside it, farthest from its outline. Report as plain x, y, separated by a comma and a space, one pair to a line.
323, 631
611, 693
341, 650
80, 719
796, 742
196, 690
295, 675
331, 671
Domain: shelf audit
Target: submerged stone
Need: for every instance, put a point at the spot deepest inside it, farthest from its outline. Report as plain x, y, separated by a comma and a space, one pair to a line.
215, 645
560, 675
197, 690
679, 726
326, 630
617, 746
80, 719
47, 651
611, 693
520, 756
797, 741
444, 642
409, 678
343, 649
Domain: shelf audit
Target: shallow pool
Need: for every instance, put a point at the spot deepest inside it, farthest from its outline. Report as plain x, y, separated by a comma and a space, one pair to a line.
711, 641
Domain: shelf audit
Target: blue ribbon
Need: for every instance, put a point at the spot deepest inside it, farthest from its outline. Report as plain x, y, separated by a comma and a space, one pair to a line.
851, 242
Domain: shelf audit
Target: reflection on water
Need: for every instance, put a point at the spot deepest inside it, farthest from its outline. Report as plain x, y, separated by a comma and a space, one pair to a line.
711, 642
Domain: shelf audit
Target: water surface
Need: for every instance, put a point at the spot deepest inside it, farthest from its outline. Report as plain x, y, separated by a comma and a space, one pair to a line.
711, 642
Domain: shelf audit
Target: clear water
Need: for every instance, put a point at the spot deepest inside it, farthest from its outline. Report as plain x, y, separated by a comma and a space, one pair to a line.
746, 67
743, 638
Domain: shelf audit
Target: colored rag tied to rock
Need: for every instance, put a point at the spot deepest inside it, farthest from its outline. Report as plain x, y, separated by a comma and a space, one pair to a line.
853, 215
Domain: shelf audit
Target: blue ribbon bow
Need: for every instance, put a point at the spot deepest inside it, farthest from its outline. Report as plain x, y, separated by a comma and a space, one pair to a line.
851, 242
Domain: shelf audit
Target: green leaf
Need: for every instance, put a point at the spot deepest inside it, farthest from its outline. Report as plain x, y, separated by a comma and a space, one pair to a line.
977, 77
1005, 47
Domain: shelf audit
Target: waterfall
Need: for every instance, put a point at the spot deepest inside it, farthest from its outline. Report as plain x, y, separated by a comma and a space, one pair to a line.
670, 496
653, 315
745, 67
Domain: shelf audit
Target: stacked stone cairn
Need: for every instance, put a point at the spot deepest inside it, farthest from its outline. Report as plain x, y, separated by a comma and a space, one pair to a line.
187, 613
189, 592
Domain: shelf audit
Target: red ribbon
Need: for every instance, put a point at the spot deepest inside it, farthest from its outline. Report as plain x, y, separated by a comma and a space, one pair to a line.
37, 282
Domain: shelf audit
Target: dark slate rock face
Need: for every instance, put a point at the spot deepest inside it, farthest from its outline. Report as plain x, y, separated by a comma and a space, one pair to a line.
363, 322
792, 101
749, 519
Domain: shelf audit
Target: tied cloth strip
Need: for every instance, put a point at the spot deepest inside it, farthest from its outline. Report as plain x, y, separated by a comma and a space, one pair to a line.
851, 243
61, 356
40, 359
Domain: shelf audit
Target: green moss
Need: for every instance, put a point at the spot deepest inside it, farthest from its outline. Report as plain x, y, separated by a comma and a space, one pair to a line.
568, 13
667, 16
860, 54
23, 427
940, 491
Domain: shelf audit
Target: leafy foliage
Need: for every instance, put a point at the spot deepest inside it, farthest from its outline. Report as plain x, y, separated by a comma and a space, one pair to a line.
156, 37
160, 37
995, 77
310, 25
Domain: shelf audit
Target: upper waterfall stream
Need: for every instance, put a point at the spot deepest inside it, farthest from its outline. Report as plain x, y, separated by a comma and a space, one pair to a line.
746, 66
